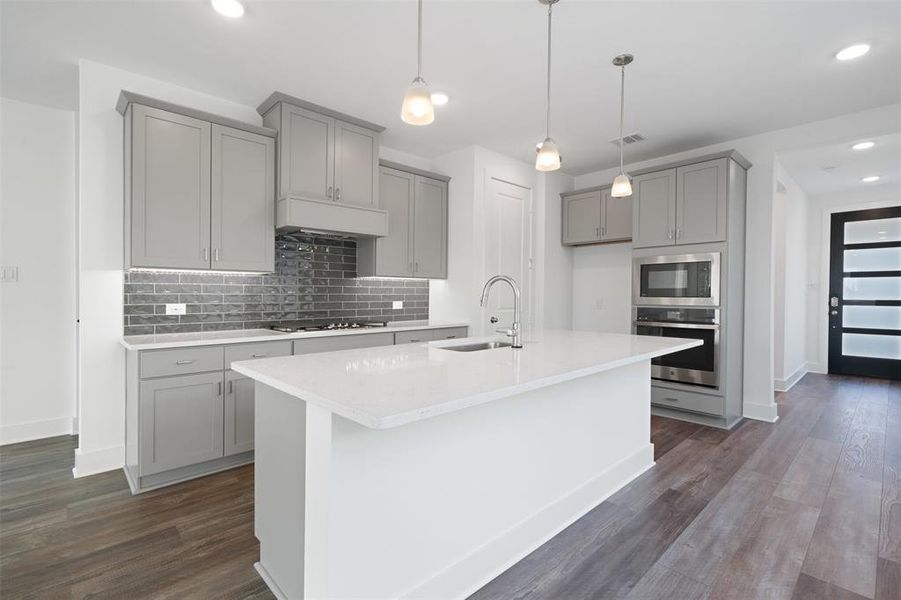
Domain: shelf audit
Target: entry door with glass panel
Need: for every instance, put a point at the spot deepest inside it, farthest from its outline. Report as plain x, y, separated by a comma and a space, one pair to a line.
865, 293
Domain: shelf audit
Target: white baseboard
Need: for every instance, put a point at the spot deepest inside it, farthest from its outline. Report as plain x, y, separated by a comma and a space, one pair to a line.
74, 425
783, 385
519, 541
98, 461
761, 412
35, 430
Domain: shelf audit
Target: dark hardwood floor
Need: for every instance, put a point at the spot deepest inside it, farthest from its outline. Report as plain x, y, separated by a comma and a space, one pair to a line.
809, 507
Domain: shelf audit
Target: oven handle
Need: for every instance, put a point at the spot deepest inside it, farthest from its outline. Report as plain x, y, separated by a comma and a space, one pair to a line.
678, 325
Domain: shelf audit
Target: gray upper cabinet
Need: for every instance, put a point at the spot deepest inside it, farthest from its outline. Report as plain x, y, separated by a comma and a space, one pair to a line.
243, 200
654, 209
200, 189
169, 162
582, 218
416, 244
356, 164
616, 224
180, 421
307, 149
701, 202
430, 228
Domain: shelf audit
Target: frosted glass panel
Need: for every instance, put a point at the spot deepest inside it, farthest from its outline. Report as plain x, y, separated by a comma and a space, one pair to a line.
872, 317
873, 259
872, 288
877, 230
873, 346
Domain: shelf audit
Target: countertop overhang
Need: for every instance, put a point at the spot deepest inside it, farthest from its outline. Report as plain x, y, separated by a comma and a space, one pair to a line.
391, 386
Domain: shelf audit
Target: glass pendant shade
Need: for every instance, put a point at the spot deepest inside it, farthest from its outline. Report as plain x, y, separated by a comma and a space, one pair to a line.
417, 108
622, 186
548, 156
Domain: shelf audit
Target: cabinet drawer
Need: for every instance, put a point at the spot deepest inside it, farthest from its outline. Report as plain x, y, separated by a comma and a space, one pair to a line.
179, 361
701, 403
256, 350
413, 337
343, 342
450, 333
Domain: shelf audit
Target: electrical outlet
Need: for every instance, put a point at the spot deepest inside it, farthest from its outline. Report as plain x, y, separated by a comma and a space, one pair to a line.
599, 304
9, 274
176, 309
397, 304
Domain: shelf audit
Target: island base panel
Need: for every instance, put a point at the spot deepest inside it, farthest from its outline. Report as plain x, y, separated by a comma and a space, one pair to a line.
438, 507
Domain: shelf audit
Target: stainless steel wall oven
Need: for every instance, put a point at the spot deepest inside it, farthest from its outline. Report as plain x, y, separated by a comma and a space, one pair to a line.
698, 366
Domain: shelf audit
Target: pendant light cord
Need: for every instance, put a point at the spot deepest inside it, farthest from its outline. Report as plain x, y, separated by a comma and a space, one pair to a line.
622, 104
419, 43
548, 117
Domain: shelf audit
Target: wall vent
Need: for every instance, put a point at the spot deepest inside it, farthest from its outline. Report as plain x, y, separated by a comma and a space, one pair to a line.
631, 138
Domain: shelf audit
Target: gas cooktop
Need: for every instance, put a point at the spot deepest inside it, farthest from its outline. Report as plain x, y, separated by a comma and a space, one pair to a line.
338, 325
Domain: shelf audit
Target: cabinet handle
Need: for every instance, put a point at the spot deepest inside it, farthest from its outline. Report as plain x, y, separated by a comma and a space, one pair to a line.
230, 387
219, 389
328, 193
216, 254
184, 362
206, 254
263, 355
597, 232
669, 234
337, 194
603, 231
416, 266
678, 232
668, 399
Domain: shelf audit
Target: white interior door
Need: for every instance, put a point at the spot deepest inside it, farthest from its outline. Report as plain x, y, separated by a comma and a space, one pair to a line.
508, 246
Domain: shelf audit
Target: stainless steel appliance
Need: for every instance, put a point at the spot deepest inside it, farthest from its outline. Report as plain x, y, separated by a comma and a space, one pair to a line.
295, 326
698, 366
677, 280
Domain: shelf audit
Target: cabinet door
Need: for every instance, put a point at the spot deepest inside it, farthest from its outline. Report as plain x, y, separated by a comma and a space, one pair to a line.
306, 145
180, 421
243, 200
238, 413
393, 256
429, 228
617, 217
356, 165
582, 218
701, 202
170, 194
654, 208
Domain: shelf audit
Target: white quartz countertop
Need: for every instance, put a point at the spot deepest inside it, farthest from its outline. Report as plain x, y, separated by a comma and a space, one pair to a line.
394, 385
236, 336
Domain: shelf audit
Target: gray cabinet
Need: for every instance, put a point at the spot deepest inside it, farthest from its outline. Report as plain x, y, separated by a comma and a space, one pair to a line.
242, 200
416, 244
429, 335
180, 421
701, 202
306, 150
200, 189
239, 414
654, 209
343, 342
582, 218
168, 159
616, 221
356, 164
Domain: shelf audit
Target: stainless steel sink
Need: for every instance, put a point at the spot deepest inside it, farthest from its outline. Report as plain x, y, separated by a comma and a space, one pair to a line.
477, 346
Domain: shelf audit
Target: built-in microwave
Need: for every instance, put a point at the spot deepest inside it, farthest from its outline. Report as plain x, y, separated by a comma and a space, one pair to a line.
677, 280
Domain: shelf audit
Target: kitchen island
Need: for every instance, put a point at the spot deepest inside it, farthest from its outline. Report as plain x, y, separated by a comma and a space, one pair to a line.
422, 471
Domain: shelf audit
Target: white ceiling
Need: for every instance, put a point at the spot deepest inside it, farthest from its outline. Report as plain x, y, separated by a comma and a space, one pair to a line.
705, 72
838, 168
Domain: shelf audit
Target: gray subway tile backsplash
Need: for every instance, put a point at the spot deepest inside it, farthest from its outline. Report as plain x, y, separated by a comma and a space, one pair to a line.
314, 282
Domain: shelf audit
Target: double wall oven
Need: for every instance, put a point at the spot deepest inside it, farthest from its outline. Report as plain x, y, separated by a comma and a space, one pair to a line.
678, 295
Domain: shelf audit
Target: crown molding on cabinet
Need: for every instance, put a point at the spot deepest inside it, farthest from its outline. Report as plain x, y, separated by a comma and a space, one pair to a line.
277, 97
413, 170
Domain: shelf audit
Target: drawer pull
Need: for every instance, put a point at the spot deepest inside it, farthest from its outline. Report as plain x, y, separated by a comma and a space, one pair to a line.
671, 399
185, 362
261, 355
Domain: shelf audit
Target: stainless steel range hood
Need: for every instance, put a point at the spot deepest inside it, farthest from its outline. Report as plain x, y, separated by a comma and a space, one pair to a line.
323, 216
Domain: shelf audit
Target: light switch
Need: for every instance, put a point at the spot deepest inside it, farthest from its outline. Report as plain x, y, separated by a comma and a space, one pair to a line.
176, 309
9, 274
397, 304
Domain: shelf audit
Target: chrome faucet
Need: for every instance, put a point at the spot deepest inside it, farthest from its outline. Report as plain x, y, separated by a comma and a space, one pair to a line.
515, 331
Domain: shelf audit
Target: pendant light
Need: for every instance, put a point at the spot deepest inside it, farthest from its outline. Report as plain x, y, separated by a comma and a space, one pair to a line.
417, 108
548, 154
622, 185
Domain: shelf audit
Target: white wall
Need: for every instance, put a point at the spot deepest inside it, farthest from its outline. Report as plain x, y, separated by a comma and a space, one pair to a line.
820, 209
37, 234
100, 212
602, 293
790, 218
760, 150
553, 261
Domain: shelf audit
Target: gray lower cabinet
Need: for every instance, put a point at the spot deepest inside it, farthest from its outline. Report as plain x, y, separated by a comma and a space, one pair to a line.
594, 216
343, 342
180, 421
429, 335
238, 419
416, 244
199, 189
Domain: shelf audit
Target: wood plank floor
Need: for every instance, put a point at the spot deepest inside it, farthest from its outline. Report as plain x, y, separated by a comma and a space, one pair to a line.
809, 507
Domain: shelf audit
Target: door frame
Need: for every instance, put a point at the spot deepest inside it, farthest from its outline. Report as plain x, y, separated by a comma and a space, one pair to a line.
837, 363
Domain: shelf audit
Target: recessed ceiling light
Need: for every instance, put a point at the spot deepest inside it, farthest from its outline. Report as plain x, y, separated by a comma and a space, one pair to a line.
870, 179
852, 52
863, 145
439, 98
228, 8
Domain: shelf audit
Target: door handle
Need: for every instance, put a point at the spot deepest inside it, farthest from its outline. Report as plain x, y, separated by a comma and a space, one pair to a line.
833, 312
